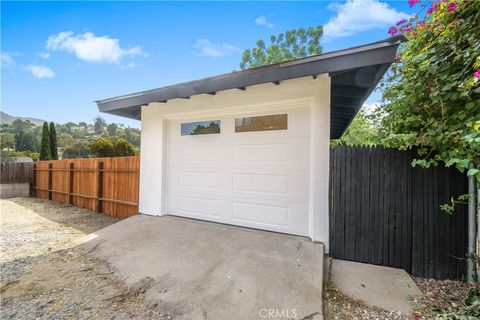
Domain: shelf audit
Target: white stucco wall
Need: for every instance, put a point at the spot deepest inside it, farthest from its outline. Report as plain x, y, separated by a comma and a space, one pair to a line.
314, 92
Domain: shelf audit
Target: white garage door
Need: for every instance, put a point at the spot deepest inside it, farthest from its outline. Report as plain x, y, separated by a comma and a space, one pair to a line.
257, 179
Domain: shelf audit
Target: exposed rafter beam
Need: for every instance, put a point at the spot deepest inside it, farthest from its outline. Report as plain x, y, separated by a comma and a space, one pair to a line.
343, 90
242, 88
314, 76
345, 101
276, 82
212, 93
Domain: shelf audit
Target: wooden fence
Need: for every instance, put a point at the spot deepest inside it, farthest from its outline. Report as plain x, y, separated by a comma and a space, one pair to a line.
108, 185
385, 212
16, 172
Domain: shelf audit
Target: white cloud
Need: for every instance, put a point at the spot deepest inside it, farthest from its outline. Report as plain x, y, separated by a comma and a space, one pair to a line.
40, 71
262, 21
7, 60
355, 16
91, 48
44, 55
204, 47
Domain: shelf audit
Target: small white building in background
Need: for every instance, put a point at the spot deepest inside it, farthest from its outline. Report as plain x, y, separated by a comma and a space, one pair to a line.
251, 148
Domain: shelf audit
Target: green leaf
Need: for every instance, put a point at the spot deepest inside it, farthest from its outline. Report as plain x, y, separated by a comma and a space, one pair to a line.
472, 172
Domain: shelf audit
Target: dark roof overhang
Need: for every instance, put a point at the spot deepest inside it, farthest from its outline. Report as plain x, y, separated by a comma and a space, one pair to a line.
354, 74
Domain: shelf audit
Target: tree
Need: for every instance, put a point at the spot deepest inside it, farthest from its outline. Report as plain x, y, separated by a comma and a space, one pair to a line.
53, 142
123, 148
293, 44
363, 130
45, 148
99, 124
7, 141
69, 126
201, 129
431, 98
19, 125
102, 147
79, 133
26, 141
132, 135
77, 150
65, 140
112, 129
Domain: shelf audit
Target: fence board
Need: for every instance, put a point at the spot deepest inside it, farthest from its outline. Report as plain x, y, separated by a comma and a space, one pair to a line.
385, 212
16, 172
78, 182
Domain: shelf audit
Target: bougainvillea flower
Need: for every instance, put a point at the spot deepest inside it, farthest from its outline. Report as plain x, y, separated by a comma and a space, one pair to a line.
477, 74
401, 22
411, 3
392, 31
432, 8
452, 6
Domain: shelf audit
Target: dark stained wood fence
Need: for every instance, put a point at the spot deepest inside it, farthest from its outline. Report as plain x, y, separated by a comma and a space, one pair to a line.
107, 185
16, 172
385, 212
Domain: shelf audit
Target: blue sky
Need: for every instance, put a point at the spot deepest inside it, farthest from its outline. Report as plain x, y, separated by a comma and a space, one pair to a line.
58, 57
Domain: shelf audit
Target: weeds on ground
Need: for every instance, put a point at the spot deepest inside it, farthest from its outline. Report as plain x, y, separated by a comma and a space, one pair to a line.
446, 300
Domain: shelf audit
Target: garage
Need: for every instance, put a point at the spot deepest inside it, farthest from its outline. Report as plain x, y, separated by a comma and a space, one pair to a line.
251, 148
252, 171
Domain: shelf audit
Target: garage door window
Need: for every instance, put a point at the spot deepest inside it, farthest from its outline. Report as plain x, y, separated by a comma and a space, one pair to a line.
262, 123
200, 127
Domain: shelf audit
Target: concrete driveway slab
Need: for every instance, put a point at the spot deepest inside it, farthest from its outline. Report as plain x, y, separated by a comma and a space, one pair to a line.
387, 288
203, 270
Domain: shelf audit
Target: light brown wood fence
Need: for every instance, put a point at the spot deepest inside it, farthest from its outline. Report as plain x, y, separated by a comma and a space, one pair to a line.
107, 185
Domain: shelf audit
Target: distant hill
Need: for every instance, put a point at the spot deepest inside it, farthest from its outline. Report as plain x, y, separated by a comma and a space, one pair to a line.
8, 119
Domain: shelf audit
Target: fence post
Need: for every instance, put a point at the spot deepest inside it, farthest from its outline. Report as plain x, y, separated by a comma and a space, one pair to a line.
99, 186
33, 190
50, 173
70, 183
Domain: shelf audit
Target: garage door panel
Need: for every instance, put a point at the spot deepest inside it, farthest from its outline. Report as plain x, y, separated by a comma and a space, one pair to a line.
199, 179
272, 215
289, 156
289, 187
261, 183
201, 206
200, 153
261, 152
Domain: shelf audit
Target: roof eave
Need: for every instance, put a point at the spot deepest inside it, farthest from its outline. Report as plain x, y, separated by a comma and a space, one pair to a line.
382, 52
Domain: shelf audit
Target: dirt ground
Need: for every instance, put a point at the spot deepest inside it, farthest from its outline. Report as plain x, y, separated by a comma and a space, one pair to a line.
441, 299
47, 273
338, 306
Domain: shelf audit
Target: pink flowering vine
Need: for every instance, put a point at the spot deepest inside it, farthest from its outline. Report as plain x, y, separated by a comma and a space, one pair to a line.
477, 74
401, 22
432, 8
452, 6
411, 3
392, 31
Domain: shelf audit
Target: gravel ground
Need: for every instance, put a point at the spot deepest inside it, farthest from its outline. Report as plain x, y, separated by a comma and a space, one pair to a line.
47, 273
337, 305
